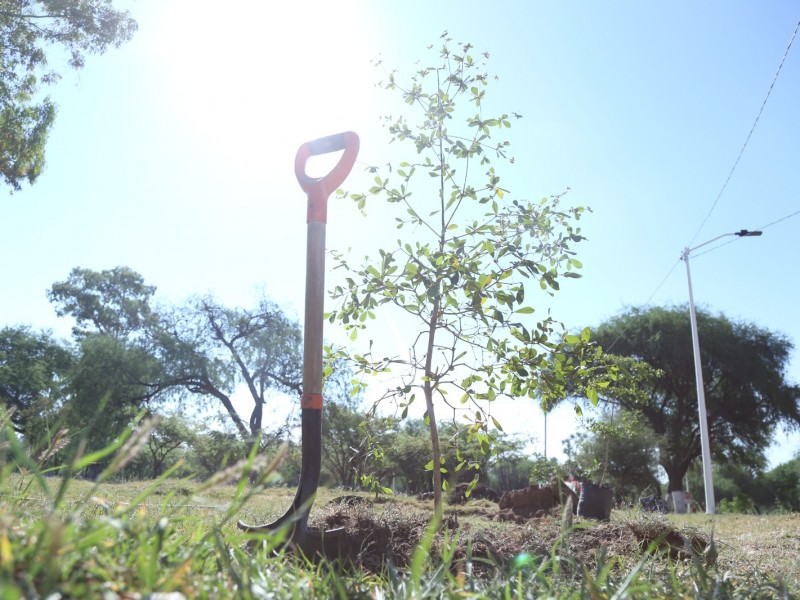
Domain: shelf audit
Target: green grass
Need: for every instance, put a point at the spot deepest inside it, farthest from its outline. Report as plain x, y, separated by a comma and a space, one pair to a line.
68, 538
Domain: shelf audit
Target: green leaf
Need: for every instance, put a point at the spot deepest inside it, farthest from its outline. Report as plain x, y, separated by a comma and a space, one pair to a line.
592, 395
525, 310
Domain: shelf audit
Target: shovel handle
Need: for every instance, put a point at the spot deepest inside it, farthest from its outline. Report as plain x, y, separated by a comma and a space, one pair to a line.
318, 189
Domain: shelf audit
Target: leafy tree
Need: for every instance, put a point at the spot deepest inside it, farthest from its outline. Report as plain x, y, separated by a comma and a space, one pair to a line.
33, 370
744, 367
407, 453
344, 454
115, 302
510, 468
469, 256
544, 469
28, 28
106, 388
784, 484
618, 450
212, 350
115, 367
753, 489
201, 348
215, 450
173, 433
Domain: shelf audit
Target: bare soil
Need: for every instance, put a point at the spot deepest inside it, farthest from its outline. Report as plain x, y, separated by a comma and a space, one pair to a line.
384, 534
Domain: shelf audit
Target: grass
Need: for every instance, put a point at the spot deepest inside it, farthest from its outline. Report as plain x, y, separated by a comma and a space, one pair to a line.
62, 537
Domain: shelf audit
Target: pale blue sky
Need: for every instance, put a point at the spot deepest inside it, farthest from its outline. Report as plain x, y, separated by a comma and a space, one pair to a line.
174, 154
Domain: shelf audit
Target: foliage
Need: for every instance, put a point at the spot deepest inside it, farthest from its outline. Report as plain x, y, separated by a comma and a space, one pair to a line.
465, 283
744, 368
404, 461
737, 504
510, 467
33, 366
65, 538
103, 392
618, 450
783, 484
173, 434
753, 489
344, 453
28, 29
202, 349
115, 302
544, 469
211, 350
213, 451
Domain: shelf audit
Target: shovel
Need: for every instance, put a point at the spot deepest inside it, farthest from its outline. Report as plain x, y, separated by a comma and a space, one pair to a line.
295, 520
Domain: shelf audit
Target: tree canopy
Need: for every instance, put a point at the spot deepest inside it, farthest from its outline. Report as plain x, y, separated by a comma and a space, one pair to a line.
33, 369
468, 259
210, 350
29, 31
744, 368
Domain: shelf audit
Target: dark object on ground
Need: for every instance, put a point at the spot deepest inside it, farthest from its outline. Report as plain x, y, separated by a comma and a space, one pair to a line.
535, 501
481, 492
350, 500
595, 502
653, 504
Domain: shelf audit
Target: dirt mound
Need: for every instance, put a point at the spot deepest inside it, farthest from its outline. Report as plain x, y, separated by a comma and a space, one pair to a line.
480, 492
391, 534
536, 501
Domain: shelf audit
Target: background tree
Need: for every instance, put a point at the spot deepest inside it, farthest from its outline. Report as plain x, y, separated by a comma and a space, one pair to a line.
212, 351
783, 485
618, 450
115, 302
511, 465
173, 433
111, 376
28, 29
200, 349
465, 282
744, 367
33, 371
344, 453
214, 450
544, 469
106, 389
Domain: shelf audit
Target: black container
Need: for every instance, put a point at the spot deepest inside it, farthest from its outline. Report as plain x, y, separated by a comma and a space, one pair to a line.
595, 501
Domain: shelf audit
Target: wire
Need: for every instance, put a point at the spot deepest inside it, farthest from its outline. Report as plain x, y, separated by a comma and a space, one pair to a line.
658, 287
736, 239
741, 152
794, 214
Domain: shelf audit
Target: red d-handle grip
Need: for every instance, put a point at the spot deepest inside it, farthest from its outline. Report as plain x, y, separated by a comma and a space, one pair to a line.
318, 189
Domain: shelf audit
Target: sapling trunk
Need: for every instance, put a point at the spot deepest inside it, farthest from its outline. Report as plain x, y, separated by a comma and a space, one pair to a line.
428, 389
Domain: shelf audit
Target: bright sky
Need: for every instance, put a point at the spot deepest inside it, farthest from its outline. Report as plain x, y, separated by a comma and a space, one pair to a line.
174, 154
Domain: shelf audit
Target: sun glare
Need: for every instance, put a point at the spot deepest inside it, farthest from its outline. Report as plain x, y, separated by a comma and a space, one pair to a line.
262, 78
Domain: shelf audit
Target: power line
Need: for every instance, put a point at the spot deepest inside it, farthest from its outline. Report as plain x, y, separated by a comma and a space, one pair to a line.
736, 239
794, 214
741, 152
658, 287
712, 249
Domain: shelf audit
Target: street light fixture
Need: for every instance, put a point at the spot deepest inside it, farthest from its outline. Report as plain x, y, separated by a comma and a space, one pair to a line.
701, 395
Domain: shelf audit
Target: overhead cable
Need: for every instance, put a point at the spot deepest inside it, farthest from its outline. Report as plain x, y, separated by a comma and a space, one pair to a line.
758, 116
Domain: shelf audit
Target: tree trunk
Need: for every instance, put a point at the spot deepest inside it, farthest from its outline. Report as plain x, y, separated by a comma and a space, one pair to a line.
428, 387
675, 473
